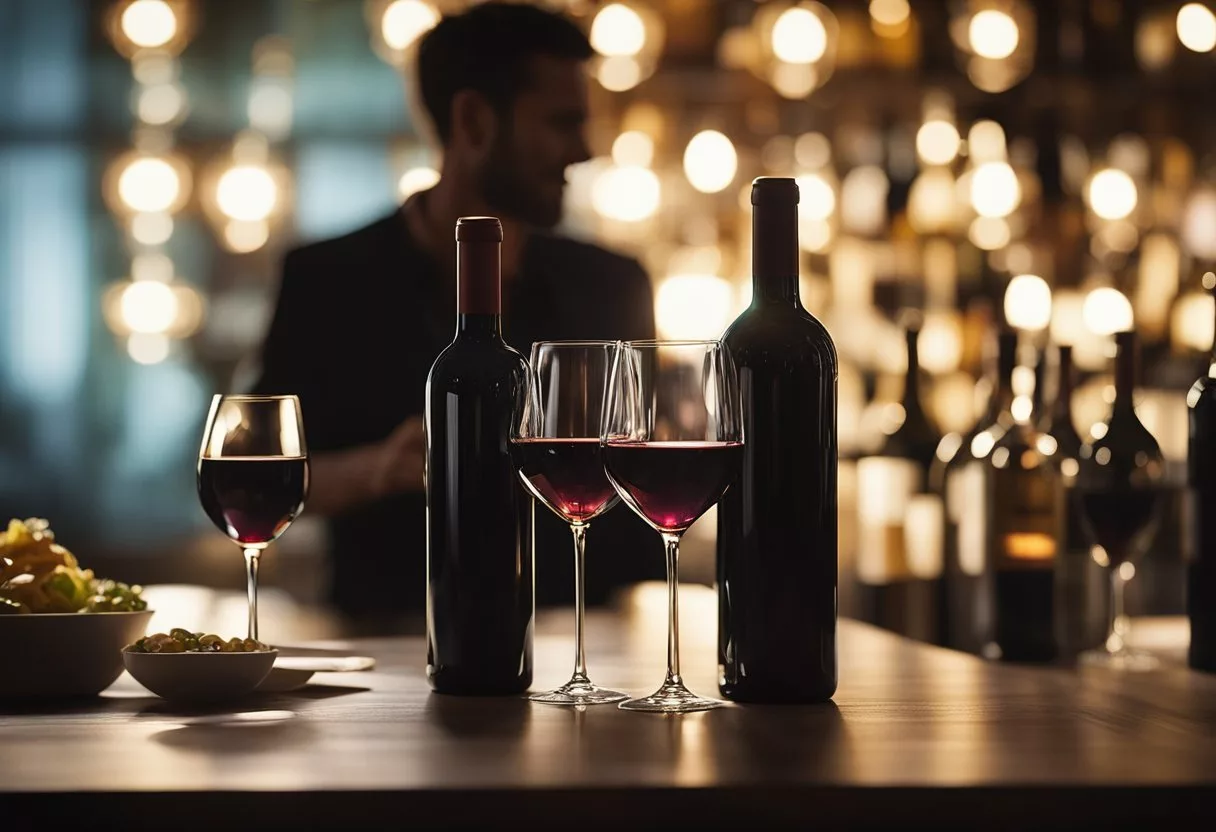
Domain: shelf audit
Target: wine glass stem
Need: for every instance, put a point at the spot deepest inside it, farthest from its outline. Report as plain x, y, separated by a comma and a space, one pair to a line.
1118, 624
579, 530
672, 544
251, 572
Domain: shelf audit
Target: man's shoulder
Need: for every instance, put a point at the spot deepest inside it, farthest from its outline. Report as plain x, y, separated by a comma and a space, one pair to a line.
592, 259
370, 242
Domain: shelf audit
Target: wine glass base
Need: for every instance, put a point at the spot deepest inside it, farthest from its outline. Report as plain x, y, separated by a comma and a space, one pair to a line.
579, 693
1134, 660
671, 698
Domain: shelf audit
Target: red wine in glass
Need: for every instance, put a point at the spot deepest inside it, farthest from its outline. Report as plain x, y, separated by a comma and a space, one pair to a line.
567, 475
253, 499
671, 484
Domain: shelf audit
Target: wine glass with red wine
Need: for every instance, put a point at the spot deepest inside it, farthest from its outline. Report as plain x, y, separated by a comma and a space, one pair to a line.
1120, 482
555, 445
253, 474
672, 444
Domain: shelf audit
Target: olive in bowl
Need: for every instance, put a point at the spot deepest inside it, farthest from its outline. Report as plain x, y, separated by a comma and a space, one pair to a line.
198, 668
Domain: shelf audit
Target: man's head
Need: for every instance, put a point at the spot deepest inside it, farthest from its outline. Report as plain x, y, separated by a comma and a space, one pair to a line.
504, 87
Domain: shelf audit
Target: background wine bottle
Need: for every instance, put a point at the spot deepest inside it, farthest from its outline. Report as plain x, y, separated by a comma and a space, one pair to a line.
1024, 519
479, 559
1082, 599
1201, 520
899, 558
777, 524
958, 474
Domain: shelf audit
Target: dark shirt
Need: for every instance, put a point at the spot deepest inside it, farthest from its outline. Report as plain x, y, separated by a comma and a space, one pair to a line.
359, 321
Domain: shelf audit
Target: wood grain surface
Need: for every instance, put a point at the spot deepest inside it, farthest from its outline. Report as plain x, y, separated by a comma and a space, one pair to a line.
918, 736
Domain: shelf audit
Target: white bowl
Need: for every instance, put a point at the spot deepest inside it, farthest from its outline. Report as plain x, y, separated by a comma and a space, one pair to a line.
61, 655
200, 677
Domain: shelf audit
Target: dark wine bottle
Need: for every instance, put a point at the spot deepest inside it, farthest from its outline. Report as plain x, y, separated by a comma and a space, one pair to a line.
777, 524
1025, 524
1201, 521
479, 558
899, 555
1081, 596
959, 473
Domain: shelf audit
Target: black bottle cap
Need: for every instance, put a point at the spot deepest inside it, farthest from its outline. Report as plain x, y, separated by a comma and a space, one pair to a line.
478, 230
774, 190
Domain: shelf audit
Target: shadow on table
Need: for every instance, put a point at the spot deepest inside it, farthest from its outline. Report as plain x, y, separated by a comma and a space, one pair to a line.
479, 717
280, 730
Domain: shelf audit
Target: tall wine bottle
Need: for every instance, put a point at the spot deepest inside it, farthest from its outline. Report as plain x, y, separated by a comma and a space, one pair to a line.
777, 525
959, 474
899, 557
1024, 519
1081, 596
1201, 521
479, 558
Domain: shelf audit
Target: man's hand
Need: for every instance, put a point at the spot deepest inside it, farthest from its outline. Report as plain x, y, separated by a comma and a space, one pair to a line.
400, 459
345, 480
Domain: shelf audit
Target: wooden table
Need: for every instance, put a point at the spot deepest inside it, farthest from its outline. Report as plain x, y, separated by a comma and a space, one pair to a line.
918, 736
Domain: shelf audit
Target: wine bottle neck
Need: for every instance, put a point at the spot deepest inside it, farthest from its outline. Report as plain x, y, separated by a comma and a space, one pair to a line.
478, 327
775, 253
1126, 360
912, 375
1061, 408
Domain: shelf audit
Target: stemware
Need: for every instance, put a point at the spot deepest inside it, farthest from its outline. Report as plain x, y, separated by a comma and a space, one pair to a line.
253, 475
672, 443
555, 444
1119, 483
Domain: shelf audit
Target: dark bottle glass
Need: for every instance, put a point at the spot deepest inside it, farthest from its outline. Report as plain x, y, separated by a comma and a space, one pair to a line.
959, 475
479, 556
1120, 486
1201, 520
899, 556
777, 525
1024, 524
1081, 596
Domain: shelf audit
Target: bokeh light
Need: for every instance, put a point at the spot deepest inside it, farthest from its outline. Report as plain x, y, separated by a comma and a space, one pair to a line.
1028, 302
633, 148
710, 161
1111, 194
1107, 311
149, 23
1197, 27
405, 21
937, 142
626, 194
799, 36
416, 179
993, 34
995, 191
618, 31
246, 192
149, 184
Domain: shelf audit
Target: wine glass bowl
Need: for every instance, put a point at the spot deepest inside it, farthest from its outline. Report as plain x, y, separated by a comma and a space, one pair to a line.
1119, 485
672, 444
555, 444
253, 474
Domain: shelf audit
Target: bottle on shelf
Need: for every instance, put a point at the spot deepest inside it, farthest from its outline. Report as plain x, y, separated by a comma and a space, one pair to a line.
1024, 526
1200, 540
959, 474
479, 558
1081, 595
777, 524
900, 521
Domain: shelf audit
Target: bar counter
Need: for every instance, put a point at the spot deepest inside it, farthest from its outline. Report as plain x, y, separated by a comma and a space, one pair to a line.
918, 736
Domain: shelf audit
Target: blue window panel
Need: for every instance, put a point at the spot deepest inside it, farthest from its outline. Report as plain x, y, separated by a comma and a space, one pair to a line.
45, 294
42, 63
340, 186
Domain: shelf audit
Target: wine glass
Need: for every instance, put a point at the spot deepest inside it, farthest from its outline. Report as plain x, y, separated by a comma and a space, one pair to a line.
1119, 483
555, 444
672, 444
253, 474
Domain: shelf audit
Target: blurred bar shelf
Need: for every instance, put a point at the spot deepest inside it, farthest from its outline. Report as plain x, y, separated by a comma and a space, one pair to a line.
917, 735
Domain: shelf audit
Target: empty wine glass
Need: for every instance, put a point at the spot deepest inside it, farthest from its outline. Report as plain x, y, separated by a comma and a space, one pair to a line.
253, 475
672, 443
556, 446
